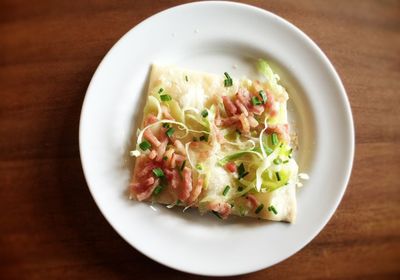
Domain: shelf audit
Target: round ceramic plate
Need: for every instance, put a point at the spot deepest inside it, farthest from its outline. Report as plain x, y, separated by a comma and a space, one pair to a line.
216, 37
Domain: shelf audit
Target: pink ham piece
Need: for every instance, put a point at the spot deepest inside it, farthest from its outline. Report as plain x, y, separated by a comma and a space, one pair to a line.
244, 96
166, 113
144, 190
186, 185
253, 201
231, 167
150, 120
282, 130
196, 191
245, 123
149, 136
161, 150
180, 147
252, 121
222, 208
241, 107
173, 178
229, 106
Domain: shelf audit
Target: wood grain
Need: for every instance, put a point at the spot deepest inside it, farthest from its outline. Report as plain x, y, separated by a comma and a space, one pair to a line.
50, 227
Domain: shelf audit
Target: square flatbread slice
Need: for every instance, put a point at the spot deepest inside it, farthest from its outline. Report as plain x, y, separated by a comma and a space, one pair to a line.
200, 145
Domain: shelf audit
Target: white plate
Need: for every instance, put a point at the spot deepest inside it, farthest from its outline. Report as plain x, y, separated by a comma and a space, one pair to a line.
215, 36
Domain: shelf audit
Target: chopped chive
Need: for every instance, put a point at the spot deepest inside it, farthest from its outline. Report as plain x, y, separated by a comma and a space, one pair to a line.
204, 113
278, 176
160, 90
255, 101
240, 188
165, 97
216, 214
285, 161
166, 125
183, 165
186, 78
226, 190
290, 151
277, 161
178, 202
289, 156
263, 96
268, 150
204, 138
272, 208
241, 170
281, 145
274, 139
158, 172
238, 132
170, 131
165, 158
145, 145
259, 208
199, 166
228, 81
158, 189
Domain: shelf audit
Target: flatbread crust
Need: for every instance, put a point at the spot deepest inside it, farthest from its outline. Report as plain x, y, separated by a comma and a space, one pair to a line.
192, 89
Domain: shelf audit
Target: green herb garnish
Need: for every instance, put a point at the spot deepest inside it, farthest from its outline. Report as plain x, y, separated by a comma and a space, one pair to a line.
165, 97
278, 176
277, 161
274, 139
183, 165
259, 208
285, 161
160, 90
204, 113
158, 189
166, 125
240, 188
158, 172
255, 101
272, 208
199, 166
226, 190
170, 131
186, 78
263, 96
241, 171
228, 81
165, 158
204, 138
216, 214
145, 145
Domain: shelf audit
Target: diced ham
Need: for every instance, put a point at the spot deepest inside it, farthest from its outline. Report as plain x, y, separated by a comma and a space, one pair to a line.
173, 161
241, 107
217, 119
244, 96
146, 168
180, 147
231, 167
245, 123
186, 185
166, 113
161, 150
150, 119
218, 135
196, 191
149, 190
229, 106
230, 120
149, 136
152, 154
257, 109
270, 104
168, 154
281, 130
253, 200
173, 178
252, 121
222, 208
179, 159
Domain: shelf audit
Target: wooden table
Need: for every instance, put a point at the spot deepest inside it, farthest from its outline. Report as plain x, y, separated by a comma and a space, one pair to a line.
51, 228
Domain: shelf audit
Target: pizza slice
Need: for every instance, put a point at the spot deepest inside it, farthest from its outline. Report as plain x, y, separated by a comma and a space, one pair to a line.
216, 143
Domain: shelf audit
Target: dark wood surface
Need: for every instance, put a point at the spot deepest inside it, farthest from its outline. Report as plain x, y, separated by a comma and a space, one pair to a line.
50, 228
